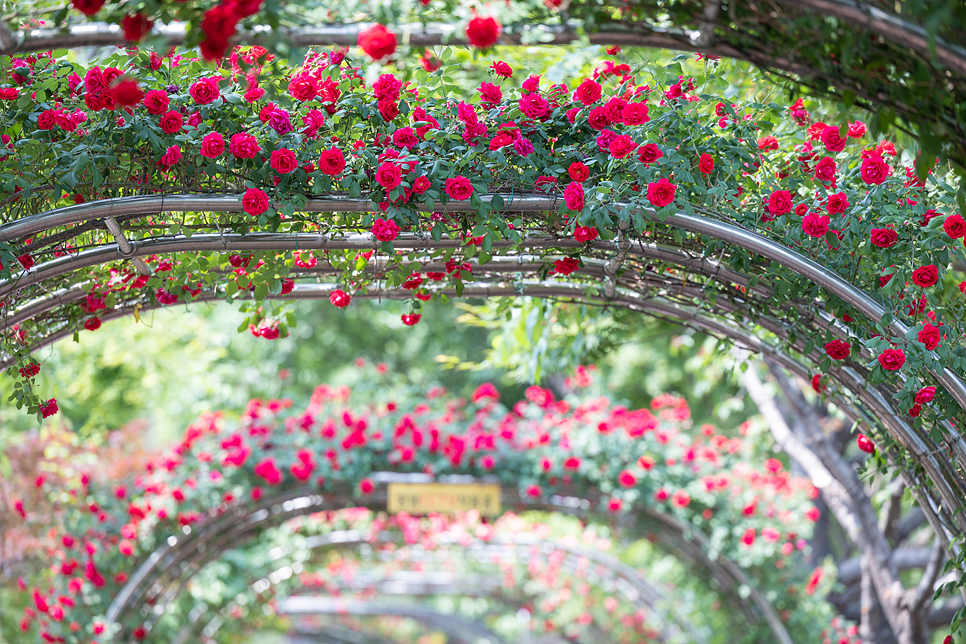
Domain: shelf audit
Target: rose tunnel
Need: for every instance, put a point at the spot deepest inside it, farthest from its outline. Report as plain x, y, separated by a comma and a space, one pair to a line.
824, 252
229, 490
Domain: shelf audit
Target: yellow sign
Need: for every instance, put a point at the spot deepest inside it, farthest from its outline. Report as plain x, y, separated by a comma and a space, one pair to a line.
445, 498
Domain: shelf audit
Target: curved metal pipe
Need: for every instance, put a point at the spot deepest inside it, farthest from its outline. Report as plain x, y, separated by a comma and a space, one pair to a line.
727, 232
463, 630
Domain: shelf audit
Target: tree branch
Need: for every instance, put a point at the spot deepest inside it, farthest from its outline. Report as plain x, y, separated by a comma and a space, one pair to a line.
923, 590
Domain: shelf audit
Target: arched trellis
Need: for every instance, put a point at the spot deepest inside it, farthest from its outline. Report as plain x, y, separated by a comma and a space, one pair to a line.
733, 33
620, 288
167, 571
513, 548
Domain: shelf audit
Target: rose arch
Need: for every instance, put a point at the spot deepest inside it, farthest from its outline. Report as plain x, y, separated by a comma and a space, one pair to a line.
147, 180
132, 551
171, 184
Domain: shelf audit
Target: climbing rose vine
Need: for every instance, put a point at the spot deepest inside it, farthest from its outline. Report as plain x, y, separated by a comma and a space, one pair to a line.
617, 151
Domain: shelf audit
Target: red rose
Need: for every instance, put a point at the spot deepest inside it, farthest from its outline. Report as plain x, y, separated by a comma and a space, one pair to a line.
490, 93
244, 146
857, 130
874, 170
92, 324
837, 203
332, 162
378, 42
864, 443
615, 109
954, 226
925, 395
566, 266
302, 88
204, 91
706, 164
815, 225
269, 471
404, 138
838, 349
884, 237
925, 276
283, 161
459, 188
135, 27
127, 93
929, 336
388, 109
172, 156
574, 196
817, 383
578, 171
585, 234
88, 7
483, 32
411, 319
388, 175
635, 114
421, 185
534, 106
47, 410
171, 122
892, 359
661, 193
218, 25
649, 153
767, 143
9, 94
622, 147
502, 69
339, 298
156, 101
627, 479
546, 184
833, 140
255, 201
825, 169
212, 145
588, 92
780, 202
385, 230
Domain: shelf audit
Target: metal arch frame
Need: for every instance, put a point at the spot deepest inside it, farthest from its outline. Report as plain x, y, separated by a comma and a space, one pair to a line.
945, 523
918, 445
184, 557
629, 581
142, 205
464, 631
